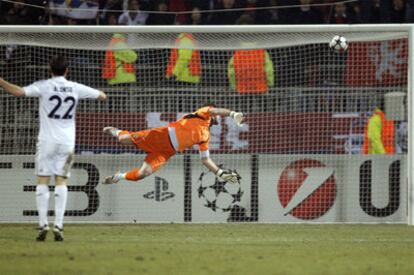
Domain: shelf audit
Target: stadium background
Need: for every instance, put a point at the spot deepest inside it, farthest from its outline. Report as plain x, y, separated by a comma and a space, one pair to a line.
201, 249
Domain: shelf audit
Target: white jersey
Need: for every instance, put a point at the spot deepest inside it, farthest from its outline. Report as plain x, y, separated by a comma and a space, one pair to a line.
58, 99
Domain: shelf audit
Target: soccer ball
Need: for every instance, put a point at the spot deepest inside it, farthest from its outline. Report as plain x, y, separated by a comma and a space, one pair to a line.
338, 44
217, 195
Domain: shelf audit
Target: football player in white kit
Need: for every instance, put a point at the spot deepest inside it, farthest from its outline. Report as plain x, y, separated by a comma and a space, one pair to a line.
58, 99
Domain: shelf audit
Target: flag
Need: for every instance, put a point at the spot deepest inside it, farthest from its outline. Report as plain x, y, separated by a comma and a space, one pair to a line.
380, 63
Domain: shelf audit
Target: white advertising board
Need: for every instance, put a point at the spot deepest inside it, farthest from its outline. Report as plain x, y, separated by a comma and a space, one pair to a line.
272, 189
157, 198
332, 188
208, 206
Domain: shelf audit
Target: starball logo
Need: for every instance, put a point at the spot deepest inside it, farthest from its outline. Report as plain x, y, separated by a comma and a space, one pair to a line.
307, 189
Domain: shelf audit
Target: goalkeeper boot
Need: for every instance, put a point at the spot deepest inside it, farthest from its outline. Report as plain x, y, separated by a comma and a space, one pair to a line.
58, 232
42, 233
113, 131
113, 179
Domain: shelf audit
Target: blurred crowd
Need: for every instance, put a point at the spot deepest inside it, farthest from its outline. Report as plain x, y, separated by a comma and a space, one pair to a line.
204, 12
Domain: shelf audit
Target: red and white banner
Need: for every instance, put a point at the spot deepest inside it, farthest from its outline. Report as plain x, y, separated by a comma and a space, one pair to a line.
282, 133
377, 63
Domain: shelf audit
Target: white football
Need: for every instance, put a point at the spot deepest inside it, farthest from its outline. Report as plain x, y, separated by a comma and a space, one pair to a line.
338, 44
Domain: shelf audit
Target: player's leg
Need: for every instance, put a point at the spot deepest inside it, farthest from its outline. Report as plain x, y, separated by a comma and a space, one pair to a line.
153, 162
42, 203
134, 175
63, 162
123, 136
154, 141
61, 194
138, 174
43, 172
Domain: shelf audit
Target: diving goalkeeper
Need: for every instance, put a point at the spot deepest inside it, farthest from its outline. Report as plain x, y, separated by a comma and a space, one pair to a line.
162, 143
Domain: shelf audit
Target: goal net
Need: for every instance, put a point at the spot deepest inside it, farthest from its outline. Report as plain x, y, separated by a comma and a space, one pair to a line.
299, 153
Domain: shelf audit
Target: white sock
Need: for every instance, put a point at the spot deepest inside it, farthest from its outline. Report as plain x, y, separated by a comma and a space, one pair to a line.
42, 202
61, 194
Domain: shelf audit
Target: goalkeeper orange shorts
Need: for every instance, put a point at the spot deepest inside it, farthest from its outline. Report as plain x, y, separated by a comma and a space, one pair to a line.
156, 143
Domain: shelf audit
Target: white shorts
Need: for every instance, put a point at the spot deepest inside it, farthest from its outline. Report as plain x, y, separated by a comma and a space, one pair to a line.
54, 159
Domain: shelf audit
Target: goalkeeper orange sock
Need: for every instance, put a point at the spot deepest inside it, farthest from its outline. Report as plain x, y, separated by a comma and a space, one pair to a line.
133, 175
123, 133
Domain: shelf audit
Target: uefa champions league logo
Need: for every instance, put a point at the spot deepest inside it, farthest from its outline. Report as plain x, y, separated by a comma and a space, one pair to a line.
217, 195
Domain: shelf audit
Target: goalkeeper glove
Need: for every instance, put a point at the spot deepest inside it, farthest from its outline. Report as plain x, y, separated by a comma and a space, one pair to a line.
227, 176
237, 117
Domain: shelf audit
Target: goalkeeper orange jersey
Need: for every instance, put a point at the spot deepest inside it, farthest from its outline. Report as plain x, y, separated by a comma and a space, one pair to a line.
191, 130
162, 143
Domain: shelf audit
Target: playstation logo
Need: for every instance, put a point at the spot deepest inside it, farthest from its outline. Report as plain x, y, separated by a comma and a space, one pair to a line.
160, 192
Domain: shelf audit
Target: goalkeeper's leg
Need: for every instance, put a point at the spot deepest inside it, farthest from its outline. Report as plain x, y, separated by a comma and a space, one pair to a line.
134, 175
154, 141
153, 162
123, 136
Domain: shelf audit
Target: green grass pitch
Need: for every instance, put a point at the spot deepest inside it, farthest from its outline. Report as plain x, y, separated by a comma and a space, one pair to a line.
210, 249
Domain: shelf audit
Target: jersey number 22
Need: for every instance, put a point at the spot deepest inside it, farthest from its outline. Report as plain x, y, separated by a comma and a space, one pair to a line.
59, 100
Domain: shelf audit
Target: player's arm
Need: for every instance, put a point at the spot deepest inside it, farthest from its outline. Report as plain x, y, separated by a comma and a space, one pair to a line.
269, 70
102, 96
205, 157
209, 163
236, 116
224, 175
231, 74
86, 92
11, 88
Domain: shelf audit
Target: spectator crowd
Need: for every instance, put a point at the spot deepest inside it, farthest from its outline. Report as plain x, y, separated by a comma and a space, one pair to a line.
204, 12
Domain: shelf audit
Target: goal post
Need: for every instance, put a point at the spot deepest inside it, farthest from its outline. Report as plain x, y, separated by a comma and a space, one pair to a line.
410, 113
299, 152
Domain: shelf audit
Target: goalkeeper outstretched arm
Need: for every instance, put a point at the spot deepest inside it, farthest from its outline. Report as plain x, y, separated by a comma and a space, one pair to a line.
236, 116
224, 175
209, 163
